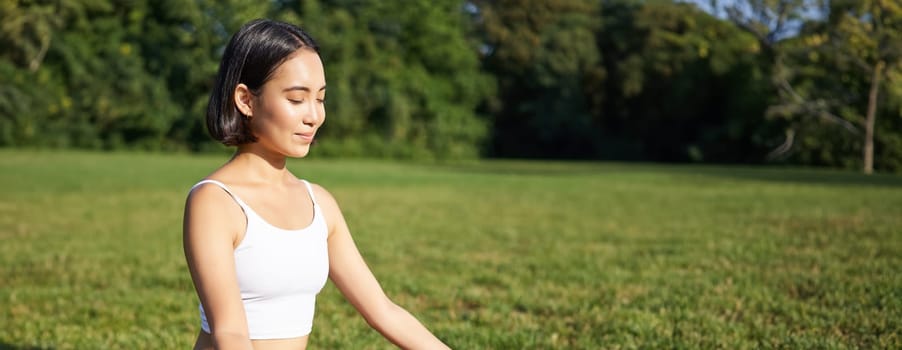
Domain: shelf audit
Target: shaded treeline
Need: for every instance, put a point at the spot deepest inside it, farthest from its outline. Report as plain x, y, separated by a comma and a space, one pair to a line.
625, 80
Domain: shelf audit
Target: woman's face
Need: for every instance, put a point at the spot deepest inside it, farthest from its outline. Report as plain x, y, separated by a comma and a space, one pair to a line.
290, 106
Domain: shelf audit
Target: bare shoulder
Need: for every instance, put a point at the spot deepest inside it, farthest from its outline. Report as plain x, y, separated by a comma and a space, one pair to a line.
208, 194
323, 196
329, 205
210, 209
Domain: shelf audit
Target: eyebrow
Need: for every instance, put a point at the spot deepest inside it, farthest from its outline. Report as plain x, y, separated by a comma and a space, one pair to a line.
301, 88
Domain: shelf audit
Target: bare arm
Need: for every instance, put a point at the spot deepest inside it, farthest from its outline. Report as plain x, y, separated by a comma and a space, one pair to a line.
355, 280
209, 234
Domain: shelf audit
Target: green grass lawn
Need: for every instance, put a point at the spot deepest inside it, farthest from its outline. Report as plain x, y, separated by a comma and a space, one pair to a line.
496, 254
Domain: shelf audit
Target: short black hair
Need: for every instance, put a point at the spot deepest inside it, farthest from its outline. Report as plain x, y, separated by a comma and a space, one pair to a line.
250, 58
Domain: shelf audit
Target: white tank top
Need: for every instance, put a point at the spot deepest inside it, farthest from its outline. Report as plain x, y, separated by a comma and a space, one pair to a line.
279, 273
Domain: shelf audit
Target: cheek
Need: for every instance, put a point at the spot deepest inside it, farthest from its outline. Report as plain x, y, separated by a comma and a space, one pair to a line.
289, 113
285, 114
272, 117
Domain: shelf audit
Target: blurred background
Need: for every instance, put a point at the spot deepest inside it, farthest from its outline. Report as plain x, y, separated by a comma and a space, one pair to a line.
518, 250
808, 82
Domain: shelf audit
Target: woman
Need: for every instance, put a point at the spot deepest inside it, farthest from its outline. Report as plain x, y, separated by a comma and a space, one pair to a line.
259, 242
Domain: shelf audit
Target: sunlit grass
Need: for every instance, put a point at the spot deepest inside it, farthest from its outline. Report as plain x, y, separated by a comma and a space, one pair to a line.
496, 254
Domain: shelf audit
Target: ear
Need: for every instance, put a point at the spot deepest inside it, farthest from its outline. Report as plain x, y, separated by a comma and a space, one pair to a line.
243, 98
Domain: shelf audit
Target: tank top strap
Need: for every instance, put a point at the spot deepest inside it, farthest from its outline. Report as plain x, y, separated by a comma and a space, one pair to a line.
224, 188
310, 191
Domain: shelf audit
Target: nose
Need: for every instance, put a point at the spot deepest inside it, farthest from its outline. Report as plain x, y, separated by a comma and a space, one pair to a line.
314, 113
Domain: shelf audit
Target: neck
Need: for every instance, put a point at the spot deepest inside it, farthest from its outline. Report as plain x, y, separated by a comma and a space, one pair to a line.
259, 165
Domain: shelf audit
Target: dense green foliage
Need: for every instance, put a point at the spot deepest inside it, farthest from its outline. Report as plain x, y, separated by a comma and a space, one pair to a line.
403, 79
490, 255
841, 69
795, 81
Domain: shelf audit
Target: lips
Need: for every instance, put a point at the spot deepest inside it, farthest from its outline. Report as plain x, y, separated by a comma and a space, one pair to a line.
306, 136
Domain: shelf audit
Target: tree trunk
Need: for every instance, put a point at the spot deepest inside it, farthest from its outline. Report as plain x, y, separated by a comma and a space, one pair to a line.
35, 62
871, 116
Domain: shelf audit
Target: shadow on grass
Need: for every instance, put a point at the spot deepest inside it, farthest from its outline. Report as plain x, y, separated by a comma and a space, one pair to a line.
776, 174
545, 167
5, 346
800, 176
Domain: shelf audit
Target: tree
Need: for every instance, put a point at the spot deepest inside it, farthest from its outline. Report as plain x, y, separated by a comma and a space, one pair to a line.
868, 35
181, 42
544, 56
29, 92
111, 74
404, 81
844, 38
682, 85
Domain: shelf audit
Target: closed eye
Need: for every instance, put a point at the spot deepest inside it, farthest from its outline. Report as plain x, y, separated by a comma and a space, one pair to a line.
297, 102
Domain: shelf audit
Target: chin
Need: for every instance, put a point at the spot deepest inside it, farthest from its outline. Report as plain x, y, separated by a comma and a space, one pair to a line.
299, 152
